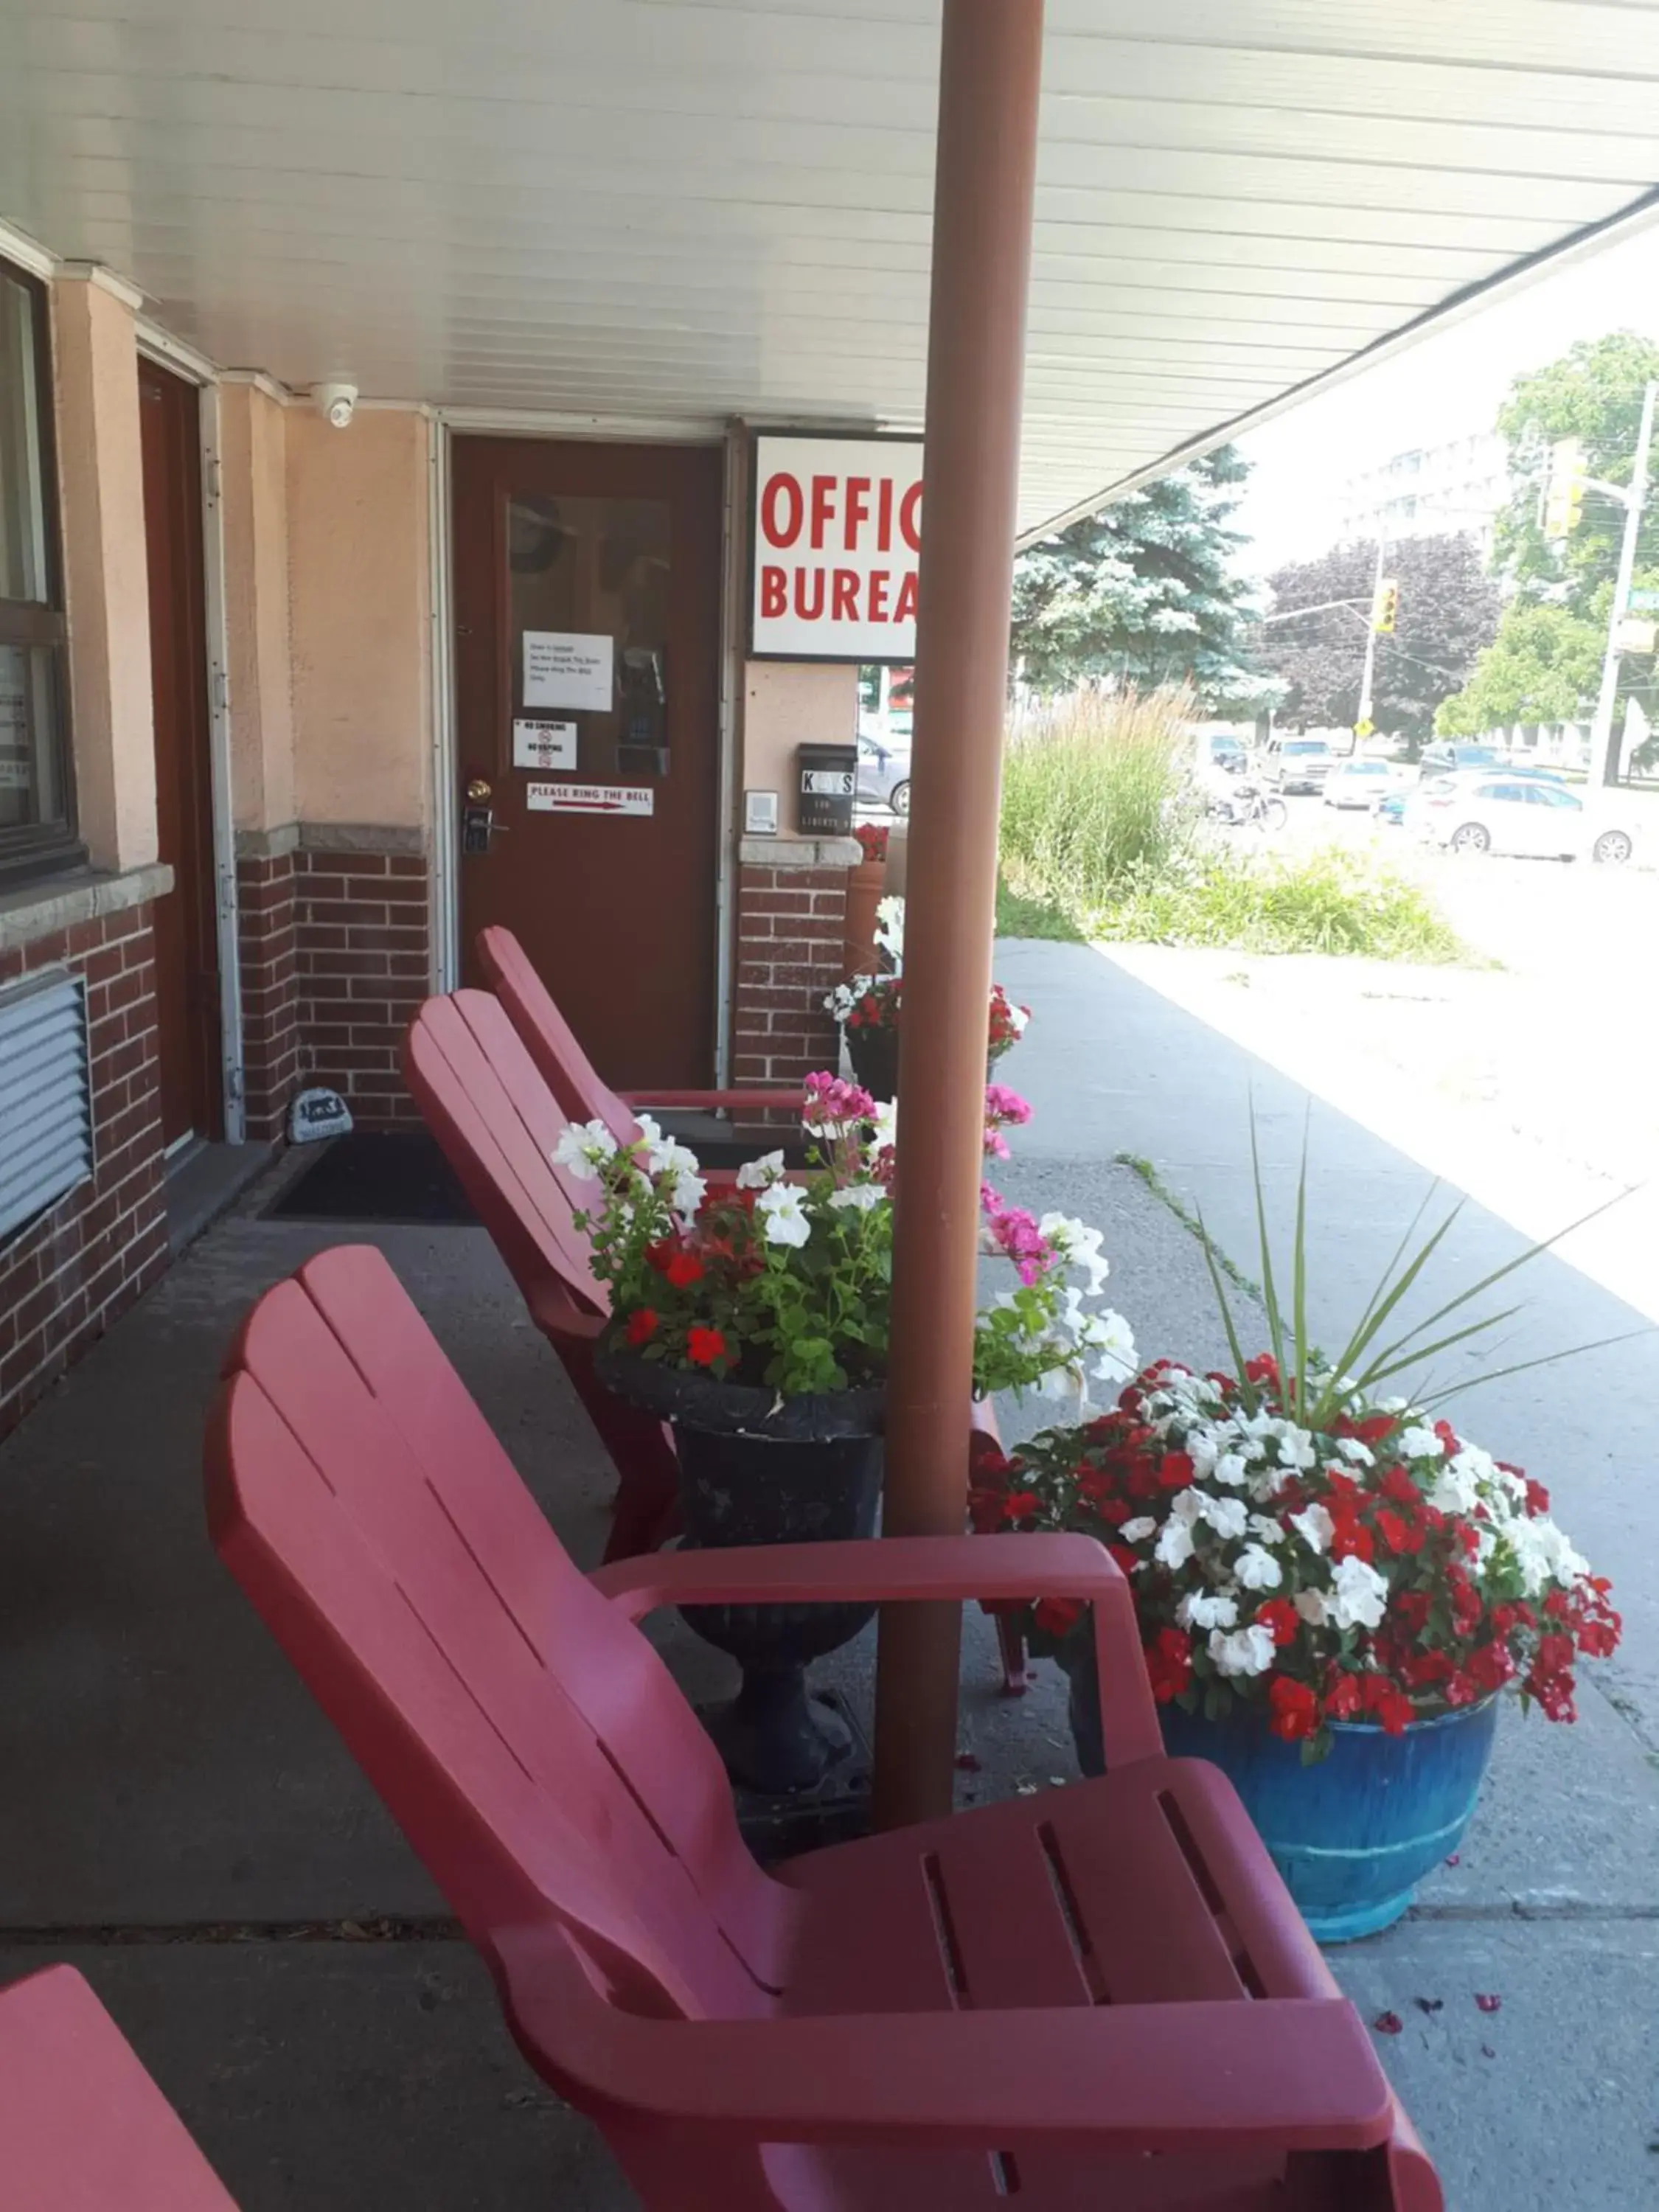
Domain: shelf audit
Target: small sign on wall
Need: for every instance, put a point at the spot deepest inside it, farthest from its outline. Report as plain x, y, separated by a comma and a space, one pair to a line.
590, 798
569, 668
836, 524
544, 744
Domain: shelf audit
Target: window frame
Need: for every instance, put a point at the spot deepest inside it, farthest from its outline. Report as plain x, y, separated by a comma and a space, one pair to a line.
33, 850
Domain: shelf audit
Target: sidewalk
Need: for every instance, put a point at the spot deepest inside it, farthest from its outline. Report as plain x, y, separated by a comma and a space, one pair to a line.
180, 1821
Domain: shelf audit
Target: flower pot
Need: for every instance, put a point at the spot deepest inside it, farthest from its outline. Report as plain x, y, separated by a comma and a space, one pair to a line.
874, 1054
753, 1470
1353, 1834
867, 887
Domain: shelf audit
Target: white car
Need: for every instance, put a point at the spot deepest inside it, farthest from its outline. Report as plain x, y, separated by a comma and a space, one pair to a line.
1360, 783
1486, 811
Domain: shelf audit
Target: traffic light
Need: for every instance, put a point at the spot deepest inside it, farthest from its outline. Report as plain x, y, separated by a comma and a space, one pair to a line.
1564, 495
1385, 607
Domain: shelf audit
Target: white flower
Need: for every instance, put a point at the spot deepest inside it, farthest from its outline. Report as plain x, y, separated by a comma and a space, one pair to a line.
1456, 1488
1202, 1449
1017, 1018
1187, 1505
860, 1197
1355, 1451
1110, 1335
1419, 1443
885, 1126
688, 1193
1360, 1597
890, 928
1246, 1651
1228, 1517
1175, 1543
1314, 1526
784, 1212
1265, 1526
1198, 1609
1314, 1606
1137, 1531
1077, 1244
584, 1147
1231, 1467
1257, 1569
755, 1175
1296, 1446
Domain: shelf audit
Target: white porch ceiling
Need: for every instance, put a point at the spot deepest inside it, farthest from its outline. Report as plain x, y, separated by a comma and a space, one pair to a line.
705, 208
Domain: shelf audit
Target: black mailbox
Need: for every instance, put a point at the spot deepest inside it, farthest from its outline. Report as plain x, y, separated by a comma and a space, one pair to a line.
829, 774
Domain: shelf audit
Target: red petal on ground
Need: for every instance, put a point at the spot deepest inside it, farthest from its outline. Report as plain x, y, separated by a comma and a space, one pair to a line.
1488, 2004
1387, 2023
966, 1762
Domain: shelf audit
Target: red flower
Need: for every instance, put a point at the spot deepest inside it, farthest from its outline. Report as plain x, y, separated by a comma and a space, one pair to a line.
1294, 1708
1021, 1506
1057, 1616
1168, 1664
683, 1269
1387, 1703
1342, 1698
642, 1325
1278, 1616
1489, 1667
1262, 1368
1399, 1533
1398, 1485
704, 1346
1175, 1471
1374, 1427
1537, 1498
1350, 1537
1127, 1559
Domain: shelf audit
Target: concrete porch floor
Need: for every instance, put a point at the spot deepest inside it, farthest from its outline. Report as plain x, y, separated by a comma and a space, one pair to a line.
180, 1821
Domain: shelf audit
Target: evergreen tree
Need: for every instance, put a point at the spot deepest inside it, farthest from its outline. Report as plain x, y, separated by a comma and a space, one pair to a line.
1145, 593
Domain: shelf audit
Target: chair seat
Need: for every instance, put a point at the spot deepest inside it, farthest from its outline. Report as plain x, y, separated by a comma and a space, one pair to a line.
1146, 1886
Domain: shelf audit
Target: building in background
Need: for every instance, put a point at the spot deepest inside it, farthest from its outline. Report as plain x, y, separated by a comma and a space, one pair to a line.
1459, 485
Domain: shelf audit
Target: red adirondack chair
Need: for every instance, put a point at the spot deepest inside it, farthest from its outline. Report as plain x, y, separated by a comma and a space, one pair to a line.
565, 1068
82, 2127
1100, 1995
496, 1123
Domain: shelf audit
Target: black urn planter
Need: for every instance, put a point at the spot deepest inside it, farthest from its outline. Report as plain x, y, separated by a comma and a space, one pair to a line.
874, 1053
755, 1470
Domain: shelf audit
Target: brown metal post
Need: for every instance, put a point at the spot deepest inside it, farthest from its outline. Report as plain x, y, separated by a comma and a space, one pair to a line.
982, 200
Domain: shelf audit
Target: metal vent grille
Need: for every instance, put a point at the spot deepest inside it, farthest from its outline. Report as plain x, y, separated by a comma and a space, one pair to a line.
45, 1096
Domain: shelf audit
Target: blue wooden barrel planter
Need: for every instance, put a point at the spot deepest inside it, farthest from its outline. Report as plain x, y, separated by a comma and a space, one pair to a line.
1354, 1833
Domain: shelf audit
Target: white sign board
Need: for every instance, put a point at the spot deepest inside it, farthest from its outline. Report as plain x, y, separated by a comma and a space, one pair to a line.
590, 798
544, 744
568, 668
836, 529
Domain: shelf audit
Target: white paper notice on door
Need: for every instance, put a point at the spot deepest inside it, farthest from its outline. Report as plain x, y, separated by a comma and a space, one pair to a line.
589, 798
544, 744
569, 668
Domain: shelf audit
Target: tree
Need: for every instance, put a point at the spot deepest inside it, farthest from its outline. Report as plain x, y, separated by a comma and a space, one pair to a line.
1143, 592
1543, 666
1449, 609
1593, 393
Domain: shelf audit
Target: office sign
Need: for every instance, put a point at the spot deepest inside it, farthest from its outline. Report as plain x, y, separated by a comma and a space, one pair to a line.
836, 524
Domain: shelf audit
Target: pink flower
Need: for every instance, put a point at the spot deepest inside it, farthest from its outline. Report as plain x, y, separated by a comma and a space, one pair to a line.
1015, 1233
833, 1104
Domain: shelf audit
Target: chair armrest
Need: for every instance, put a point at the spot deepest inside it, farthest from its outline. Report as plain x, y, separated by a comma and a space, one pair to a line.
710, 1102
1282, 2073
1044, 1564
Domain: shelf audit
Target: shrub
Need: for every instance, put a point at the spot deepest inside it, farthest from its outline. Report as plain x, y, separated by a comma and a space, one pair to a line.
1095, 795
1325, 902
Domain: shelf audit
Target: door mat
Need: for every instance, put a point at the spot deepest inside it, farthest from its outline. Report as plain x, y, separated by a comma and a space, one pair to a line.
376, 1175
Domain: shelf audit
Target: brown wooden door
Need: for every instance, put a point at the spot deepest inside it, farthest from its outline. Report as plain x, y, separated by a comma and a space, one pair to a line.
187, 944
587, 643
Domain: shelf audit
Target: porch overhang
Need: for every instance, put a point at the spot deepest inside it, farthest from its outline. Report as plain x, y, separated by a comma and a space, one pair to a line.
666, 208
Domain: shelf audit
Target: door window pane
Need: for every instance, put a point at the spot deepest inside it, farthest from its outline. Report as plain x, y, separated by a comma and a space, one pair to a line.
595, 571
30, 792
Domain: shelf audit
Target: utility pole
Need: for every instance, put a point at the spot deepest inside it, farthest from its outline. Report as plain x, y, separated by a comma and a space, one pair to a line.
1600, 750
1362, 720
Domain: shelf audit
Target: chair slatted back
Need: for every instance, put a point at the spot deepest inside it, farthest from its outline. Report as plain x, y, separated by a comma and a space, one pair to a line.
525, 1735
549, 1038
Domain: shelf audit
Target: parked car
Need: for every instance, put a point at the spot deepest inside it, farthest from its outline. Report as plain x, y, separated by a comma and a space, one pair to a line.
883, 778
1390, 808
1221, 749
1443, 757
1359, 782
1508, 813
1298, 763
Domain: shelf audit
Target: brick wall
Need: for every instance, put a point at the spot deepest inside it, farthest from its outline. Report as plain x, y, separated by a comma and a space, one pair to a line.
365, 966
272, 1046
65, 1277
790, 926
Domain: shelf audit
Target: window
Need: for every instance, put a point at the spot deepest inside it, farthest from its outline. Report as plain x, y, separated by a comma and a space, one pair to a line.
36, 807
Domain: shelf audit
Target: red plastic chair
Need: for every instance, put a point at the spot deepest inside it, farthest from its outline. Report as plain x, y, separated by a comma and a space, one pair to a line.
497, 1123
565, 1068
82, 2127
1098, 1996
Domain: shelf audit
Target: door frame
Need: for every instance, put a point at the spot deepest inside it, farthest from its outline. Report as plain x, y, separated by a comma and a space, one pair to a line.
691, 430
192, 367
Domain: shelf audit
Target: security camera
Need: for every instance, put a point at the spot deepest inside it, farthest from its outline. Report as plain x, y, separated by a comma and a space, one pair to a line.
335, 403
